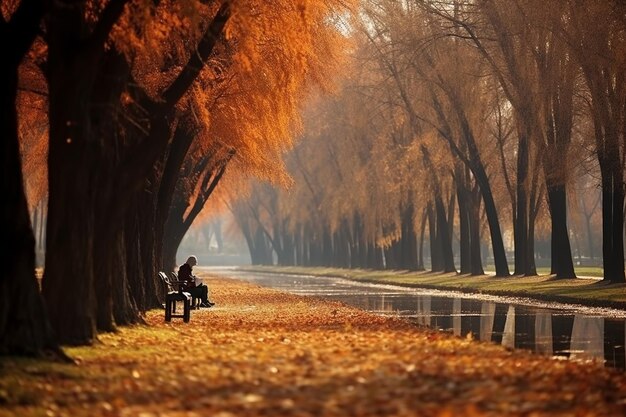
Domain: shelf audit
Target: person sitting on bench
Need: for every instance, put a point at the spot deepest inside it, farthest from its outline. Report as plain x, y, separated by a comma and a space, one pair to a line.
188, 282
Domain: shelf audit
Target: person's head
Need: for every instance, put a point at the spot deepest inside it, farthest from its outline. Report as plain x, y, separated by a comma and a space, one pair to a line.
192, 260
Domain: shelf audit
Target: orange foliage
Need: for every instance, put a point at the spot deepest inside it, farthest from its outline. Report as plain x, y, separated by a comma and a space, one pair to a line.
33, 129
247, 96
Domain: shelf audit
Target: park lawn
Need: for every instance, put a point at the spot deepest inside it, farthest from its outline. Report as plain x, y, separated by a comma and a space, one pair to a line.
583, 271
589, 292
261, 352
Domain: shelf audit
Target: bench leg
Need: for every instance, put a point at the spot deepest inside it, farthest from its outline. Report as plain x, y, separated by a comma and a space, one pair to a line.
186, 311
168, 310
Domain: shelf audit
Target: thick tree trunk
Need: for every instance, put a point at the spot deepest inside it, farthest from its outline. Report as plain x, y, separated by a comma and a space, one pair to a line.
443, 230
612, 223
408, 239
263, 250
474, 226
436, 258
24, 326
497, 243
164, 183
75, 51
420, 252
520, 229
142, 272
531, 267
589, 233
172, 236
125, 309
392, 256
562, 264
288, 258
375, 256
69, 261
464, 220
134, 267
103, 272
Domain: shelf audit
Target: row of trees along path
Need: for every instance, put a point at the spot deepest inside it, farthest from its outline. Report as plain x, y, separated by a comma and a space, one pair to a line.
139, 107
459, 121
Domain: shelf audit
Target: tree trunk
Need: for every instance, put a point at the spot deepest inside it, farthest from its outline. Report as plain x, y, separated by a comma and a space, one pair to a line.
134, 267
562, 264
499, 254
24, 325
164, 183
464, 220
299, 246
612, 225
520, 229
125, 310
436, 258
408, 255
443, 231
420, 252
142, 271
591, 253
474, 226
69, 261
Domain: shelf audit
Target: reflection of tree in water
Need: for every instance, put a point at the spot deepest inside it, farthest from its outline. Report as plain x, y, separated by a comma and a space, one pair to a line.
545, 331
424, 310
487, 313
614, 343
587, 337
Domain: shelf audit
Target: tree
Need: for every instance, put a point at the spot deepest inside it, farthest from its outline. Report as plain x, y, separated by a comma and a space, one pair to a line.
23, 324
599, 49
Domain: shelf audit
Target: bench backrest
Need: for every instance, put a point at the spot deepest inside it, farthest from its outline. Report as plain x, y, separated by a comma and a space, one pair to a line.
166, 282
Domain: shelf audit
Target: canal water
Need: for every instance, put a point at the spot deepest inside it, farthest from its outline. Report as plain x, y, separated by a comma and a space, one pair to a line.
562, 330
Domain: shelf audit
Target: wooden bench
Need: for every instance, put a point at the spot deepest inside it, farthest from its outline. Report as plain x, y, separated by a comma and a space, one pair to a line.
174, 294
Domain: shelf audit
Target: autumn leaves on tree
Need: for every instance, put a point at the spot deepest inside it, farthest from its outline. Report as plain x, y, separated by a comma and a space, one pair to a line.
148, 104
472, 125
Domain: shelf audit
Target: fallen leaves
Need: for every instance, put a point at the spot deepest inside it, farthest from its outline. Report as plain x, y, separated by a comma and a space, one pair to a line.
262, 352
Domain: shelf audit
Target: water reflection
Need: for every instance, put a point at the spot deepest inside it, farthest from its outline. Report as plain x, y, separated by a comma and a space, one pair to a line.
564, 333
545, 331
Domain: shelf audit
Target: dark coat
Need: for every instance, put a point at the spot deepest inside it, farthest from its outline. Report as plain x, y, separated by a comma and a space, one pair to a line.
185, 274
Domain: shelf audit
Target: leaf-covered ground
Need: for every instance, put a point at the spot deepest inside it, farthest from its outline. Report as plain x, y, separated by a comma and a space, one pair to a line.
260, 352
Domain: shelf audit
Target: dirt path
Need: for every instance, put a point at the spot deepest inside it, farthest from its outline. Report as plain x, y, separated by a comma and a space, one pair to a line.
261, 352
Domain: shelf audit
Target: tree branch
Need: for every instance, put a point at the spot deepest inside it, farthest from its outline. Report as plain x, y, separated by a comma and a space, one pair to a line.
22, 29
197, 60
110, 15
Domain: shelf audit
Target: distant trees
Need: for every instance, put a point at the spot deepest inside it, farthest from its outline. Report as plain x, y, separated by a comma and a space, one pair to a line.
458, 116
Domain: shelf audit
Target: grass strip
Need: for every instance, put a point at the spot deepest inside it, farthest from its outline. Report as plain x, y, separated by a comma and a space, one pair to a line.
588, 292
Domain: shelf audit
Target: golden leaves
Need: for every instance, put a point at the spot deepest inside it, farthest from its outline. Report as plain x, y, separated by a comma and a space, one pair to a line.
261, 352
